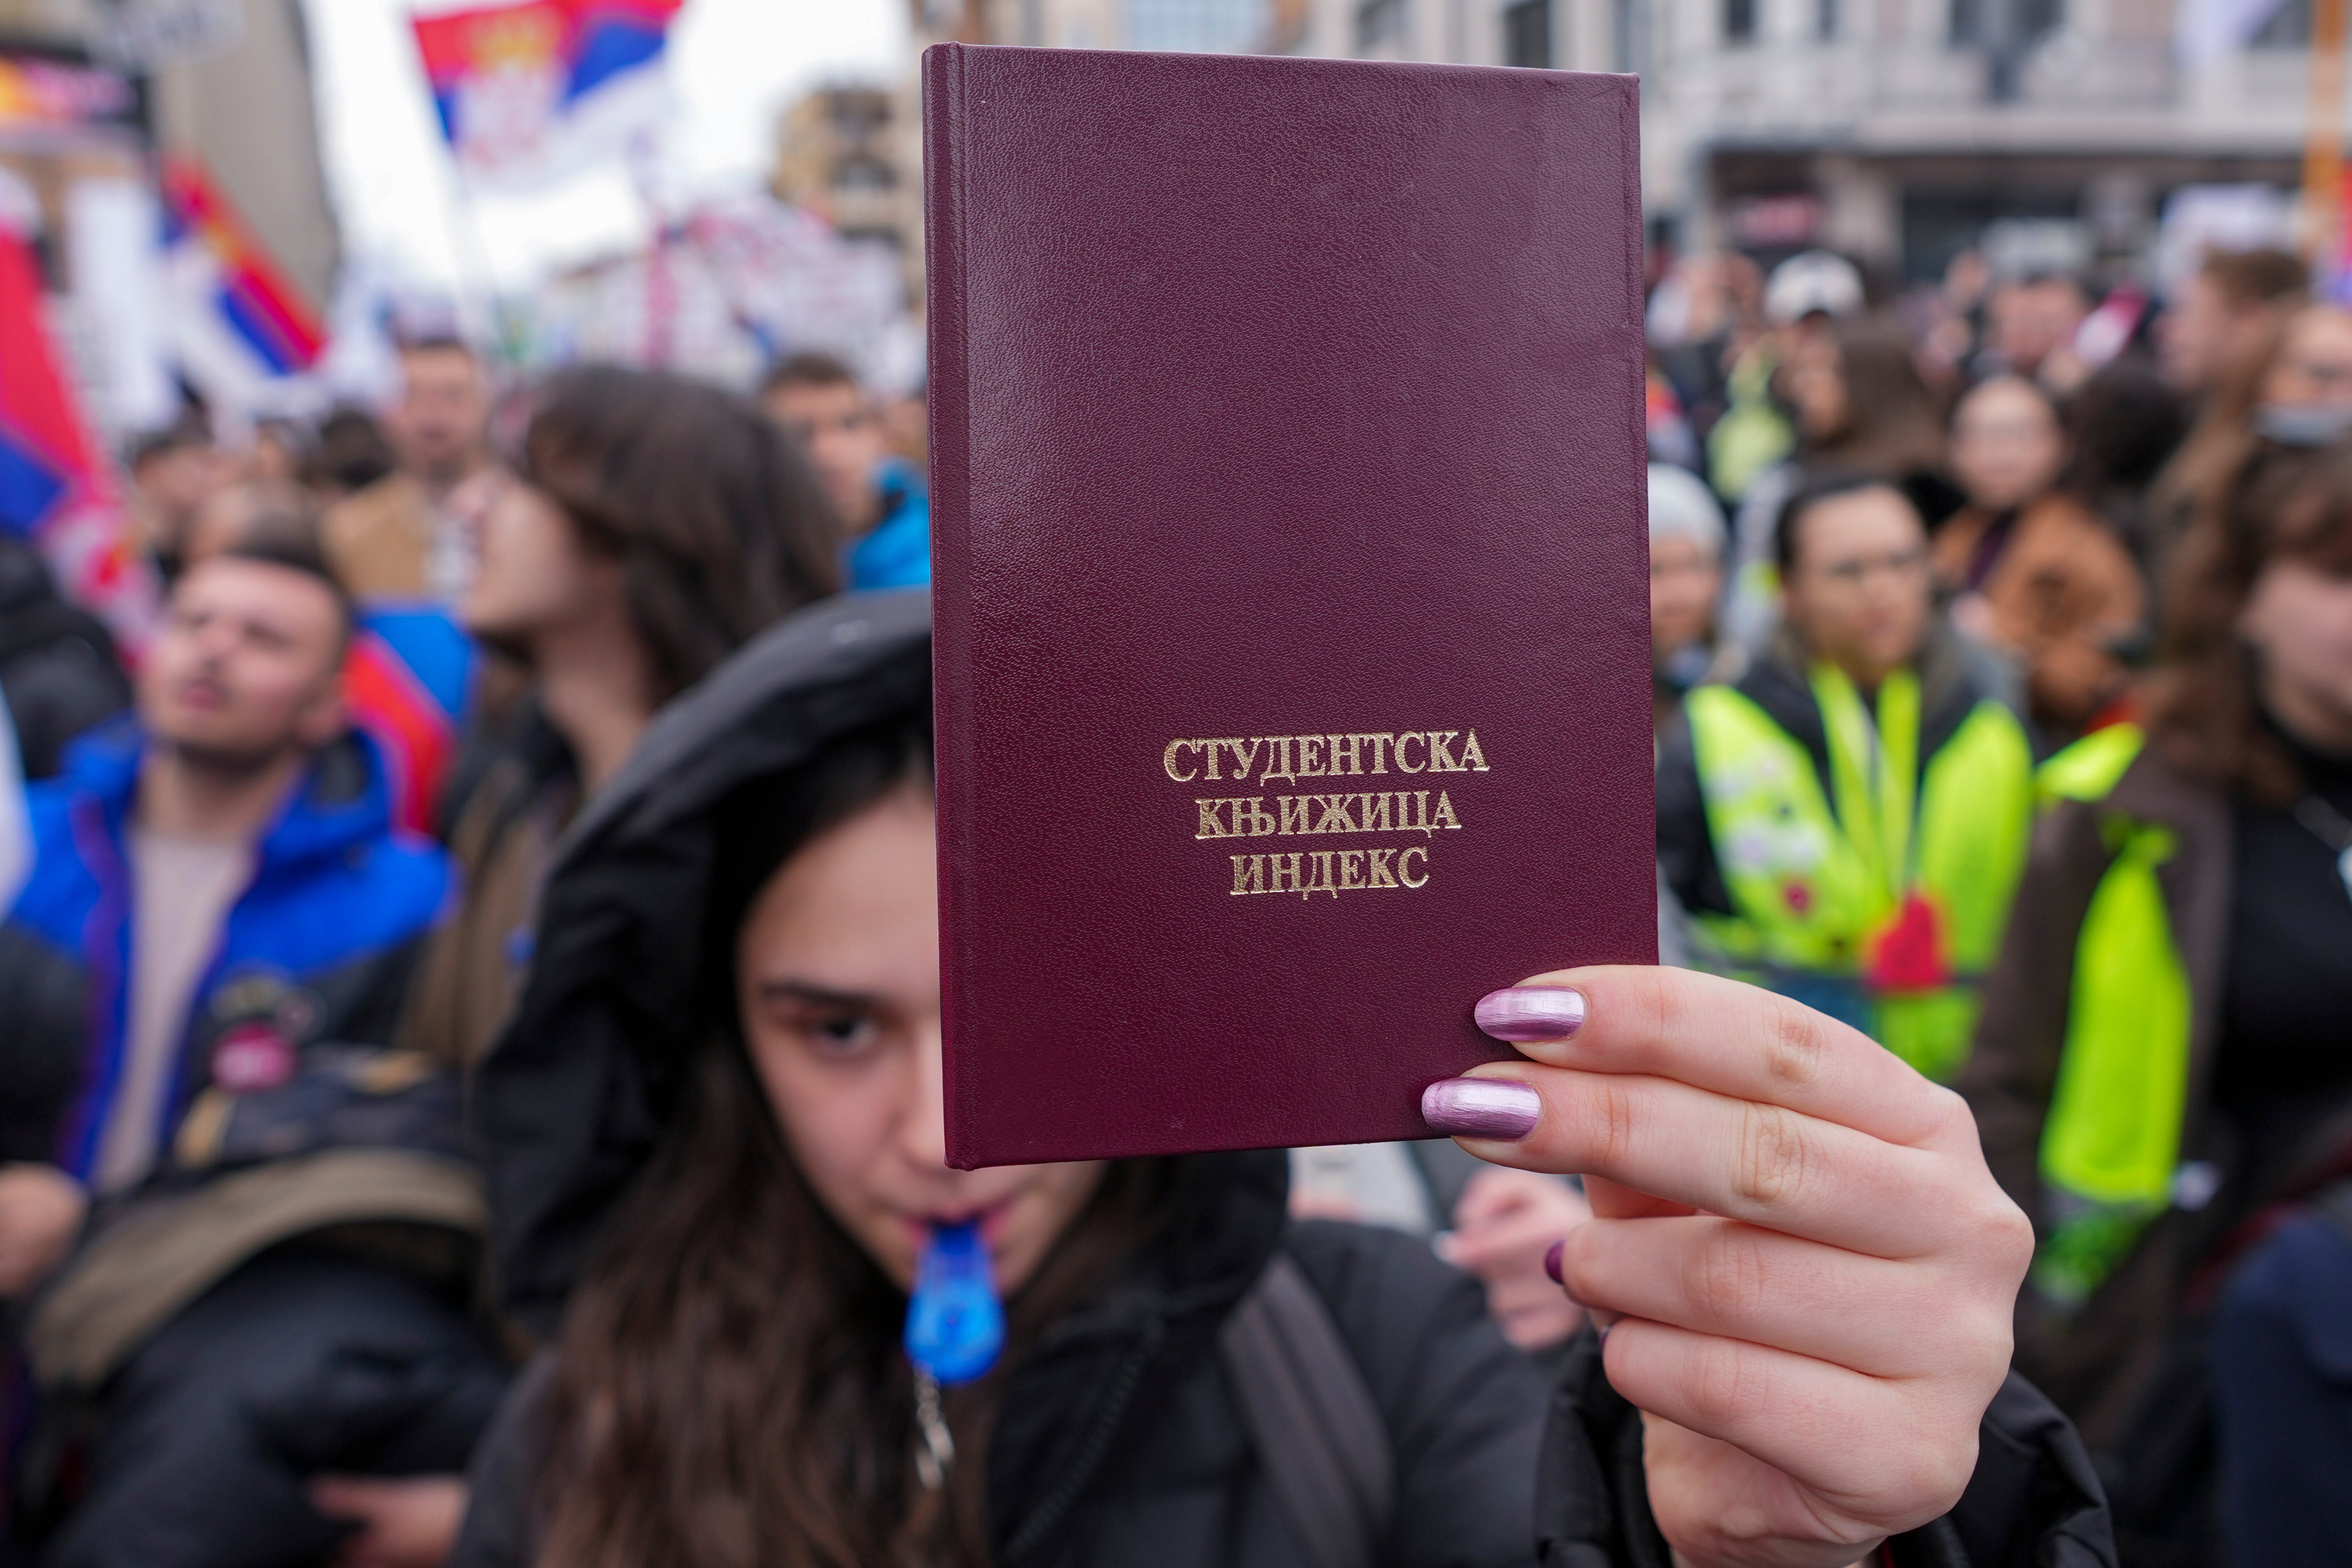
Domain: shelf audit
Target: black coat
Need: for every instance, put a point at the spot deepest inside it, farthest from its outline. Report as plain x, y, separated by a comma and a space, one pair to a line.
58, 663
1119, 1439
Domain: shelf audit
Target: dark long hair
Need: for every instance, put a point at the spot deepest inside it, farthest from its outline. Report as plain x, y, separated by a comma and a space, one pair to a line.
2205, 473
1894, 423
730, 1392
719, 524
2202, 707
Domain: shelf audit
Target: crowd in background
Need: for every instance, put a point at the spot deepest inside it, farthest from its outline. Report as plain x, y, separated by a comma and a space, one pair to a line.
2003, 689
2003, 674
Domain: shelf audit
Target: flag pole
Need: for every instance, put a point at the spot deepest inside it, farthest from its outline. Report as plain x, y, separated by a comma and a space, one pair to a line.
2322, 143
467, 246
471, 248
645, 168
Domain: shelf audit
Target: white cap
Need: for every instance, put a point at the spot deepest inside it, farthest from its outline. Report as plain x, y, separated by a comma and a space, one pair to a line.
1809, 281
1682, 507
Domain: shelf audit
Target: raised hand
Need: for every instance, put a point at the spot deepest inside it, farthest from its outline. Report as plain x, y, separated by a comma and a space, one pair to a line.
1813, 1269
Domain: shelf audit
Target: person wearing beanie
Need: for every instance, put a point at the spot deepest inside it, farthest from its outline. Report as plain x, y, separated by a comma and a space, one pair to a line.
1686, 541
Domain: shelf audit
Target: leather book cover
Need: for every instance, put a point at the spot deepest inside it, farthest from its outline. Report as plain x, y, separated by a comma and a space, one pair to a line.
1290, 566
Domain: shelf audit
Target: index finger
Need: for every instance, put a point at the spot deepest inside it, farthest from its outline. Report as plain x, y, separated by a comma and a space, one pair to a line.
1720, 1035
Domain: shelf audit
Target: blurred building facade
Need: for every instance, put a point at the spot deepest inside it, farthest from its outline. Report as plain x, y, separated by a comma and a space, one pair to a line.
1896, 130
227, 82
853, 155
95, 97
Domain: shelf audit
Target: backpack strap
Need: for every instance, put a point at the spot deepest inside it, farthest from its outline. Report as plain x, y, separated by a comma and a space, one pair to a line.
1316, 1430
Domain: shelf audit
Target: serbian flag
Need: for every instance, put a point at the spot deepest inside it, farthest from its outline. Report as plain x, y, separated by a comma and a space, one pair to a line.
405, 682
55, 487
238, 320
46, 458
531, 91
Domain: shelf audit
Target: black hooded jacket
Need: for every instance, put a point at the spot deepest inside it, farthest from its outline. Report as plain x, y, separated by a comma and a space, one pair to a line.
1119, 1436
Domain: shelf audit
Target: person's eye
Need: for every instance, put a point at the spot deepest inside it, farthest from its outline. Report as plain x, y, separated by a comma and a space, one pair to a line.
841, 1034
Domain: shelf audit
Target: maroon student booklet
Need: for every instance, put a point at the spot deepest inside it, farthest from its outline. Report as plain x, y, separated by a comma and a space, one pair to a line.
1290, 574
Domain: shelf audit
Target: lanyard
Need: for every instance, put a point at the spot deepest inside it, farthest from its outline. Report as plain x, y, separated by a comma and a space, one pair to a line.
1874, 769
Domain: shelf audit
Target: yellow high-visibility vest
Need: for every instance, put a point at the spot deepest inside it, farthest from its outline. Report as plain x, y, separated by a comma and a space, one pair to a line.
1902, 884
2111, 1144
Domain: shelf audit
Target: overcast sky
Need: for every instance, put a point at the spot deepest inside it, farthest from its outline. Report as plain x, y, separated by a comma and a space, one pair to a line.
734, 64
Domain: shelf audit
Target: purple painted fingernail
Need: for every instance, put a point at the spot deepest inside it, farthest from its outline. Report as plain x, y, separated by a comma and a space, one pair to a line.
1525, 1012
1551, 1262
1481, 1108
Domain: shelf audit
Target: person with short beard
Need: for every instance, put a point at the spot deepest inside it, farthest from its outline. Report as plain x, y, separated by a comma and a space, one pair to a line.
883, 512
402, 547
219, 923
405, 539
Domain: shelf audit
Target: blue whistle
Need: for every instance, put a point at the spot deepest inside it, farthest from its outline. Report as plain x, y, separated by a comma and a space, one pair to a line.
955, 1324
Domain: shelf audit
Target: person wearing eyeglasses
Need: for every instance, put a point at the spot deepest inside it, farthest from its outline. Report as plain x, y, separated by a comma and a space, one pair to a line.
885, 513
1847, 823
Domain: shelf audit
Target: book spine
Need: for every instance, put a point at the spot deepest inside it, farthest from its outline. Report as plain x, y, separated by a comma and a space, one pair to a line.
1637, 366
946, 145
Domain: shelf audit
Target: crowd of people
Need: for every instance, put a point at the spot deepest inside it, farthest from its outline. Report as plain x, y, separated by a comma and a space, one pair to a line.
468, 1003
2005, 711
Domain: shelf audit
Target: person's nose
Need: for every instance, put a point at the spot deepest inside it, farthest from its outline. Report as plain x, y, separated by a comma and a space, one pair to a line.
923, 1131
215, 640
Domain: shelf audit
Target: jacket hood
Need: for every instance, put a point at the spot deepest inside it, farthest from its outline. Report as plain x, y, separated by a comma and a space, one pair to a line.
344, 802
573, 1096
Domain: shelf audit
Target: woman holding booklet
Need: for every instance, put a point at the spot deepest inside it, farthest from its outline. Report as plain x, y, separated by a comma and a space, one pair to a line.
716, 1142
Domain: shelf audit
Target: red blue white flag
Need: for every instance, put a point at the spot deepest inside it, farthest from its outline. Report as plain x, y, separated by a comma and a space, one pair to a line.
56, 486
528, 93
240, 330
253, 300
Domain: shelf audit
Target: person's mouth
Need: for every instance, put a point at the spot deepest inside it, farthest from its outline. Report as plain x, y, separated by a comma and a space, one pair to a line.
201, 693
991, 1219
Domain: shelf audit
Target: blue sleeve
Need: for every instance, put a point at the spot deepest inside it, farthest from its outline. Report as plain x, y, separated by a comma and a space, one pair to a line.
2283, 1397
898, 554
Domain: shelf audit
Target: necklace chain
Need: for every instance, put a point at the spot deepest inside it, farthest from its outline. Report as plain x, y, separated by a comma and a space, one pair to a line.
936, 1450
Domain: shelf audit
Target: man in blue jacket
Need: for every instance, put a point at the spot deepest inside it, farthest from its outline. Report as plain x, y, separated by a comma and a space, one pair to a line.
219, 902
885, 513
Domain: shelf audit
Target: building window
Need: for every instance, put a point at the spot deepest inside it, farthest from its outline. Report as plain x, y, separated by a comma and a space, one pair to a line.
1975, 21
1527, 34
1378, 24
1739, 20
863, 174
1630, 22
1197, 27
1825, 20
